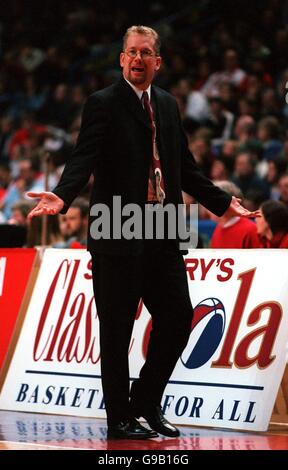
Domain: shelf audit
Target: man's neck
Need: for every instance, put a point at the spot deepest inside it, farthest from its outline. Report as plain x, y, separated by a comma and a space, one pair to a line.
139, 91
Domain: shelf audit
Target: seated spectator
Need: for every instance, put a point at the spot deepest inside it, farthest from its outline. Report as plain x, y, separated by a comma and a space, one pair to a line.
269, 103
76, 220
252, 87
220, 121
221, 169
245, 176
58, 109
202, 74
272, 227
19, 213
200, 146
276, 168
27, 137
253, 199
230, 231
231, 73
35, 235
283, 188
230, 150
197, 105
27, 180
248, 107
268, 134
227, 93
245, 132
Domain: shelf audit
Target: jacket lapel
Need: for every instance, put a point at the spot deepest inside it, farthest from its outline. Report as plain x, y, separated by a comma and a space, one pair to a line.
131, 101
157, 106
159, 112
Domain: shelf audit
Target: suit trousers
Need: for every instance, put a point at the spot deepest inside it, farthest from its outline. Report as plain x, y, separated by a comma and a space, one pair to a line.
158, 276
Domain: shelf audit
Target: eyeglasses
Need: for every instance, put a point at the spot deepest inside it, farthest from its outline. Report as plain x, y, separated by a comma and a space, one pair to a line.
145, 54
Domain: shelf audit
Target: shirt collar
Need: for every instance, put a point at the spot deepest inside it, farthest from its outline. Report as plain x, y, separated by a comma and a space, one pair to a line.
138, 92
231, 222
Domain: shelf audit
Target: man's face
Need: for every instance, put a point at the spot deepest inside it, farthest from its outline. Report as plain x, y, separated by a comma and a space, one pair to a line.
140, 70
73, 222
262, 225
26, 172
243, 166
17, 217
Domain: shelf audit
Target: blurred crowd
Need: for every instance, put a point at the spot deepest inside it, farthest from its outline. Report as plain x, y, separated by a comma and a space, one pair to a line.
226, 64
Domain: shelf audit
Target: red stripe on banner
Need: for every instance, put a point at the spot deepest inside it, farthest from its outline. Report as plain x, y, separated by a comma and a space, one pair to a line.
15, 268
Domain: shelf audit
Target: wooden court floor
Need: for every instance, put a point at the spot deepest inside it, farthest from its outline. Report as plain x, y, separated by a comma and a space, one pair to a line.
31, 431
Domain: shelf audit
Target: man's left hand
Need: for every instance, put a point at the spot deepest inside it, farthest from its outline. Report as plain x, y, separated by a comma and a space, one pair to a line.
235, 209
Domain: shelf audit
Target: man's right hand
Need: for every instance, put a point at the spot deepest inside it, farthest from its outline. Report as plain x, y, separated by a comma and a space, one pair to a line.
49, 204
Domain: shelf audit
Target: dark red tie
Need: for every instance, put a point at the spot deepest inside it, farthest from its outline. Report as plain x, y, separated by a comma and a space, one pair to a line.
156, 176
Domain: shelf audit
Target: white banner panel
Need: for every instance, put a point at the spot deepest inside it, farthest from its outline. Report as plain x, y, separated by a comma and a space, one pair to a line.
227, 376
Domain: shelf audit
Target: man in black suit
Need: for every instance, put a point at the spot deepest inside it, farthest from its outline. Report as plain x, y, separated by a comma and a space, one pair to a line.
120, 142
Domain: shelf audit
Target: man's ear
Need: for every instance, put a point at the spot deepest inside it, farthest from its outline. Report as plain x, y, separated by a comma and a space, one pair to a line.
121, 59
158, 63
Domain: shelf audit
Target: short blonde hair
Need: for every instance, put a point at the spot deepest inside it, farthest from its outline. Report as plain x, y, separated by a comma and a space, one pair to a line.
146, 31
230, 188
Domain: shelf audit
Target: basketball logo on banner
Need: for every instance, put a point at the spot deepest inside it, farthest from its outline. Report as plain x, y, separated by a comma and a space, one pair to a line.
207, 329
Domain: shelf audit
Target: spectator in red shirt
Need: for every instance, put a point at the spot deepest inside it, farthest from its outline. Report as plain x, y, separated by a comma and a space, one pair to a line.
233, 232
26, 137
272, 227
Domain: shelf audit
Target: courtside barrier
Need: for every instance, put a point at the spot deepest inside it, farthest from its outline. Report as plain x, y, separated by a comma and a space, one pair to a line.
17, 270
227, 376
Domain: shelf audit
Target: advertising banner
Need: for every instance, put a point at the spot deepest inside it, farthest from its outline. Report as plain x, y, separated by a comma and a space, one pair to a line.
15, 269
227, 376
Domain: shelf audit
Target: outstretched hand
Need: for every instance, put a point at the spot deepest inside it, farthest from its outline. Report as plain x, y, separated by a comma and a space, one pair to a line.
235, 209
49, 204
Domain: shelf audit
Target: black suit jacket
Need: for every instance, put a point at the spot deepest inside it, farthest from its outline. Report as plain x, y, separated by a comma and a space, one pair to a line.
115, 144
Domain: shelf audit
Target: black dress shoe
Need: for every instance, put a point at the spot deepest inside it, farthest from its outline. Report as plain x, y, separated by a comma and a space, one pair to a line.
156, 420
130, 429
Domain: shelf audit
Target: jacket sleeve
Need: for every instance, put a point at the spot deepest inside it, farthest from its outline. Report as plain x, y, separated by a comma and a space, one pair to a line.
195, 183
87, 151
